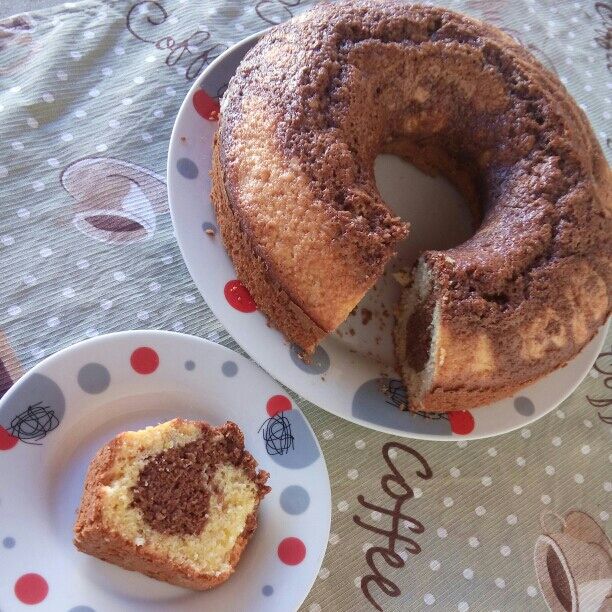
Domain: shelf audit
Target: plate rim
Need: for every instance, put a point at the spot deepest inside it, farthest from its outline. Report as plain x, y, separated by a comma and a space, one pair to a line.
229, 326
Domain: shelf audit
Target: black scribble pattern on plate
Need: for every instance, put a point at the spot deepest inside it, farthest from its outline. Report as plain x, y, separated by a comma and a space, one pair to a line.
33, 424
395, 391
277, 434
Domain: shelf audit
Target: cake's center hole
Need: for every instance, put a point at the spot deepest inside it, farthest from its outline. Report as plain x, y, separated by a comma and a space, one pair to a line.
438, 214
174, 487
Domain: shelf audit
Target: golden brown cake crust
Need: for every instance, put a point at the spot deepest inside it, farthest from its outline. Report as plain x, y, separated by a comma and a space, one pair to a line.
92, 536
317, 99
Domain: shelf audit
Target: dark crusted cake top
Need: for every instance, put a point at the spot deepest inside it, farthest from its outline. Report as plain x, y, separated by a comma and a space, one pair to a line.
350, 80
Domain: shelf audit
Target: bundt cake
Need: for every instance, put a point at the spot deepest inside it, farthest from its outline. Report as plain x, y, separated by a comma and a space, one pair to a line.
303, 119
177, 502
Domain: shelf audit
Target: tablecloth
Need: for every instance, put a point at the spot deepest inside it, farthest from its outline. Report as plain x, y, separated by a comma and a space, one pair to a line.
105, 80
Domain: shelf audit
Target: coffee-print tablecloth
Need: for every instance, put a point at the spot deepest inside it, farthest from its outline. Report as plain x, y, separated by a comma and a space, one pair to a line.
466, 525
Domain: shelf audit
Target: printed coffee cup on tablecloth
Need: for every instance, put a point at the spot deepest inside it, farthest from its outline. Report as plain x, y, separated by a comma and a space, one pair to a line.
574, 565
116, 201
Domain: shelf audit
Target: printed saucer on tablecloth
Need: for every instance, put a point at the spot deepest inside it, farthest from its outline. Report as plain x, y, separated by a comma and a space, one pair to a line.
60, 413
352, 374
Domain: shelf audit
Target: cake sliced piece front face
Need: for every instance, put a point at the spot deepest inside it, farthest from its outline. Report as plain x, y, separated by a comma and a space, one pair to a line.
177, 502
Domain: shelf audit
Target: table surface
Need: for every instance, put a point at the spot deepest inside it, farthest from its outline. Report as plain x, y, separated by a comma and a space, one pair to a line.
79, 85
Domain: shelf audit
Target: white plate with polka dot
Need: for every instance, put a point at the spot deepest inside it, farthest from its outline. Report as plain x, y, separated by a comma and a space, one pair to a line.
352, 374
61, 412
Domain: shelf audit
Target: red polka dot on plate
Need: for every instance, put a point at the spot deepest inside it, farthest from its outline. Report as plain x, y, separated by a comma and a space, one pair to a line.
238, 296
278, 403
291, 551
31, 589
206, 106
144, 360
7, 441
461, 422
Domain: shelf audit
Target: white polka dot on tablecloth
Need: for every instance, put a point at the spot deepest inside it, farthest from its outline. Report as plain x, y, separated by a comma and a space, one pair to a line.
520, 461
455, 472
334, 538
468, 573
357, 582
392, 453
14, 311
342, 506
15, 89
146, 137
119, 276
76, 55
53, 322
532, 591
314, 607
462, 443
38, 186
45, 252
526, 433
367, 546
91, 332
79, 113
150, 59
113, 123
67, 137
463, 606
480, 510
474, 542
545, 499
417, 492
429, 599
486, 481
603, 515
3, 171
500, 583
323, 573
17, 145
448, 502
158, 112
512, 519
492, 452
434, 565
101, 148
607, 486
352, 474
178, 326
170, 91
375, 515
30, 280
53, 162
32, 122
118, 50
61, 75
94, 92
106, 304
154, 287
556, 441
48, 97
585, 449
68, 292
550, 470
360, 444
143, 315
505, 550
37, 352
126, 101
327, 434
442, 533
7, 240
139, 80
166, 259
107, 71
560, 414
578, 478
